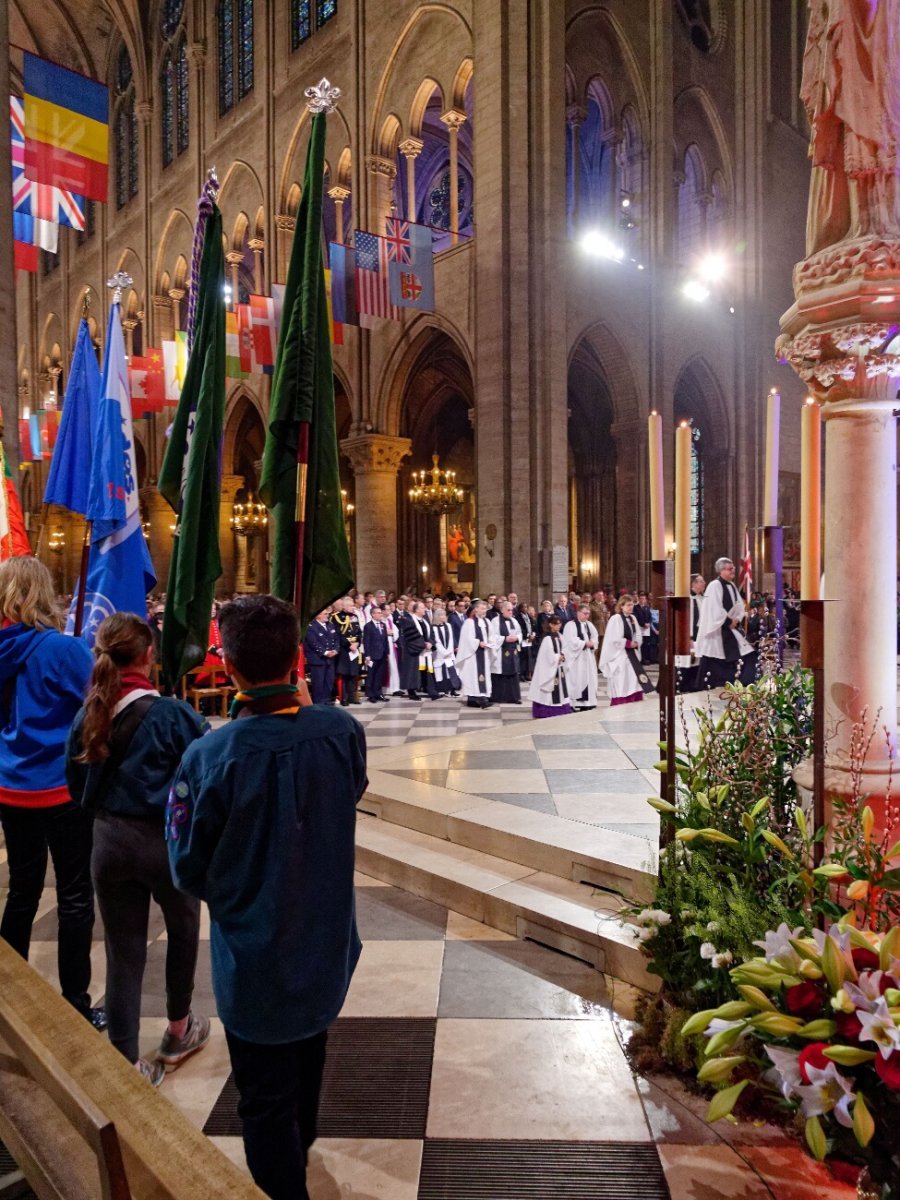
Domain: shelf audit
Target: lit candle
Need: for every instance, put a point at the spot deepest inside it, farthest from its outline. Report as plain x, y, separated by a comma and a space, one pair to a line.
810, 500
683, 509
770, 483
657, 496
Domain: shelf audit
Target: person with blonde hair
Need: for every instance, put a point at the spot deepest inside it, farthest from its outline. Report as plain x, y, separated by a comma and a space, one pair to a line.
43, 678
122, 755
620, 662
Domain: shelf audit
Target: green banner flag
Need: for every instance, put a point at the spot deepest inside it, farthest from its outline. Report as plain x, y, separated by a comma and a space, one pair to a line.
303, 392
190, 478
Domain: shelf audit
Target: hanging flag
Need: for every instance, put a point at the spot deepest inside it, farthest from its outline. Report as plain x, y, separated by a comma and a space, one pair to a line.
25, 256
233, 365
38, 200
245, 338
410, 265
343, 284
14, 541
31, 231
336, 328
146, 376
52, 430
300, 479
745, 581
174, 365
264, 331
25, 439
190, 478
34, 430
44, 432
66, 128
372, 285
120, 573
68, 479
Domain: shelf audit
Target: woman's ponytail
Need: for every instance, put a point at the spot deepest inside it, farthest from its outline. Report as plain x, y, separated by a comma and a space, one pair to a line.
122, 640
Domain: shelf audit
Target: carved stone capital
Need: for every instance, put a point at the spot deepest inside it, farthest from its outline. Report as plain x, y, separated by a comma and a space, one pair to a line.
576, 114
128, 324
411, 147
196, 53
855, 362
339, 194
376, 165
176, 295
285, 222
453, 118
234, 258
257, 245
144, 111
162, 302
375, 453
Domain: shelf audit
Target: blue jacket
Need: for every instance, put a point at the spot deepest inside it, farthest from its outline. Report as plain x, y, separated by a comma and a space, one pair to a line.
319, 639
261, 823
375, 641
139, 786
43, 679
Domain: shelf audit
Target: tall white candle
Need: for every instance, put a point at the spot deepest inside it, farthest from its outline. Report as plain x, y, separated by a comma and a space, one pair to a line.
683, 509
810, 501
770, 483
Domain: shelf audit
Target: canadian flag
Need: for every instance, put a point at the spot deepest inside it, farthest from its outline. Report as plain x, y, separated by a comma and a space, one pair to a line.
745, 581
148, 382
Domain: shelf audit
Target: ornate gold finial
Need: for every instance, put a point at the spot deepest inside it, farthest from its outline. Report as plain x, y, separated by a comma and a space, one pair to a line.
323, 97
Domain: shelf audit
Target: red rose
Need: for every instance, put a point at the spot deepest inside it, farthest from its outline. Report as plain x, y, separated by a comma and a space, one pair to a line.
865, 960
812, 1056
848, 1025
804, 999
888, 1070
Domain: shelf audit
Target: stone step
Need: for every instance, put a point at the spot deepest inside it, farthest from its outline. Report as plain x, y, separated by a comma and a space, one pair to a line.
571, 850
571, 917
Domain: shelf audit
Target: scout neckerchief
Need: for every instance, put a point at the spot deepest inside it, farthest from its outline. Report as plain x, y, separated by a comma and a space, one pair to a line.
259, 701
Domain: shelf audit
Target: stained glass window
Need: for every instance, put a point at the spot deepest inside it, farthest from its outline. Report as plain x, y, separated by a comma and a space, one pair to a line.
182, 107
325, 10
121, 157
696, 493
123, 70
167, 112
301, 22
172, 11
691, 207
226, 56
133, 173
245, 48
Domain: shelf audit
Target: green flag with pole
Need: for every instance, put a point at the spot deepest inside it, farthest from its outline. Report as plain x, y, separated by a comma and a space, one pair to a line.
300, 480
190, 477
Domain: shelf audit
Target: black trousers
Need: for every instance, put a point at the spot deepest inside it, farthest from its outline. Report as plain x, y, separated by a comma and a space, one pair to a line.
130, 865
279, 1090
427, 686
348, 688
322, 682
64, 832
375, 679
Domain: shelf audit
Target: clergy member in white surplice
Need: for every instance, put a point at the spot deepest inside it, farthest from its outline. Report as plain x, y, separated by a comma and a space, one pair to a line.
505, 656
620, 658
547, 692
580, 642
473, 657
724, 652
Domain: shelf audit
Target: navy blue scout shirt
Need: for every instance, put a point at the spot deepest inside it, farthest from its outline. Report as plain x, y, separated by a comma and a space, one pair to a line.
261, 824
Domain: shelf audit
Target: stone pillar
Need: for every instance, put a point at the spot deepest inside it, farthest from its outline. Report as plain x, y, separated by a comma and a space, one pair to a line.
375, 459
339, 195
411, 148
576, 115
257, 246
231, 485
382, 173
129, 324
453, 120
163, 308
234, 258
285, 226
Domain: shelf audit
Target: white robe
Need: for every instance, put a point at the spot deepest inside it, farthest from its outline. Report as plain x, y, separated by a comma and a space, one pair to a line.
549, 673
393, 684
475, 683
498, 642
444, 656
581, 665
620, 675
713, 615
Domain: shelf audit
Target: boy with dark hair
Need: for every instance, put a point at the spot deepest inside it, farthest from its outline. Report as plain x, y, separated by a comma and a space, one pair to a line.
260, 824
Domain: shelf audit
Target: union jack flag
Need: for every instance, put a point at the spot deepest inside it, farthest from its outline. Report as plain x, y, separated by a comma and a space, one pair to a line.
399, 246
41, 201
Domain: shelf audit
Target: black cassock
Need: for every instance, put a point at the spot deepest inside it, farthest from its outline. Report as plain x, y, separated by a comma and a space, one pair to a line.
505, 682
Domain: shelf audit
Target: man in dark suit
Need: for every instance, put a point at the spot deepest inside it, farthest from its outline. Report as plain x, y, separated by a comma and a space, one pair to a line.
375, 650
320, 649
348, 662
456, 620
526, 625
563, 609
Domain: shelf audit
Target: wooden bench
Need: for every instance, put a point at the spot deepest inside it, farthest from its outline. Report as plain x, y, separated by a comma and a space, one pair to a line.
81, 1122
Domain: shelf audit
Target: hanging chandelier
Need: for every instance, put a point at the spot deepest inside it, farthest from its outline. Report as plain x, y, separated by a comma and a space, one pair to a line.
436, 491
249, 518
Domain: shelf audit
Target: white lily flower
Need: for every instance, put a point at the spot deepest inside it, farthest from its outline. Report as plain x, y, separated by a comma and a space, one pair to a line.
661, 917
707, 950
878, 1027
787, 1069
828, 1091
778, 949
837, 935
866, 992
719, 1025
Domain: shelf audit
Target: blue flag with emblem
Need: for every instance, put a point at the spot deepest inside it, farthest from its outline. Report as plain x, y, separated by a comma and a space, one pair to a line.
70, 467
120, 572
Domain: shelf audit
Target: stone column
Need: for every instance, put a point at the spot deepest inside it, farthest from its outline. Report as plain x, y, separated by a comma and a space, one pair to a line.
129, 324
339, 195
257, 246
231, 485
161, 519
375, 459
285, 226
382, 173
453, 120
411, 148
234, 258
162, 308
176, 295
576, 115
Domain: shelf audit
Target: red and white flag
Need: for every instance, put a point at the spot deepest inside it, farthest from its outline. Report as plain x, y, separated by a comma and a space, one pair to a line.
745, 581
147, 378
263, 333
373, 293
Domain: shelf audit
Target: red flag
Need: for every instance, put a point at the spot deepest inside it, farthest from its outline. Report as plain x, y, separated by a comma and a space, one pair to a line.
13, 534
264, 329
745, 581
245, 338
25, 256
147, 378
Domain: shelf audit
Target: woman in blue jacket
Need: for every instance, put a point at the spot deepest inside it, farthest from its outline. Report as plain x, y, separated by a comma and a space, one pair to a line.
43, 676
124, 749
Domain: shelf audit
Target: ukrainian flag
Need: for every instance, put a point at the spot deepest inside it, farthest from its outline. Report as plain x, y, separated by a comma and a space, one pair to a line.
66, 128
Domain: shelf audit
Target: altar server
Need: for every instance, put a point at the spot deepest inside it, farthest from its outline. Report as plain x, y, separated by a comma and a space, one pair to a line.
446, 679
580, 641
725, 654
548, 692
505, 656
473, 660
620, 662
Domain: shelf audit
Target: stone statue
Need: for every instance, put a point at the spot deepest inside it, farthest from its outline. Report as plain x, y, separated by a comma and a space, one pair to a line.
851, 92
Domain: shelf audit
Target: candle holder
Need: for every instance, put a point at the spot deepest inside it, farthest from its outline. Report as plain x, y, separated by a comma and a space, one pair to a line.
774, 558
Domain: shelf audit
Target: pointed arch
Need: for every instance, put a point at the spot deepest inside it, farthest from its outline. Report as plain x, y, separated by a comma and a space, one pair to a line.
176, 240
401, 360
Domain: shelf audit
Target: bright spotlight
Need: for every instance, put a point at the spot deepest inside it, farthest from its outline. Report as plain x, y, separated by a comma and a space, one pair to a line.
694, 290
601, 245
712, 268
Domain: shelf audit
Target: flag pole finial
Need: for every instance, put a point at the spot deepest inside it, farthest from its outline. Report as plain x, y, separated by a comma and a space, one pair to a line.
323, 97
86, 304
118, 282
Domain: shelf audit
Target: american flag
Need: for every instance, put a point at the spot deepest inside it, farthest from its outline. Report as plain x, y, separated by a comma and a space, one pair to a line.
399, 246
41, 201
745, 581
372, 284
